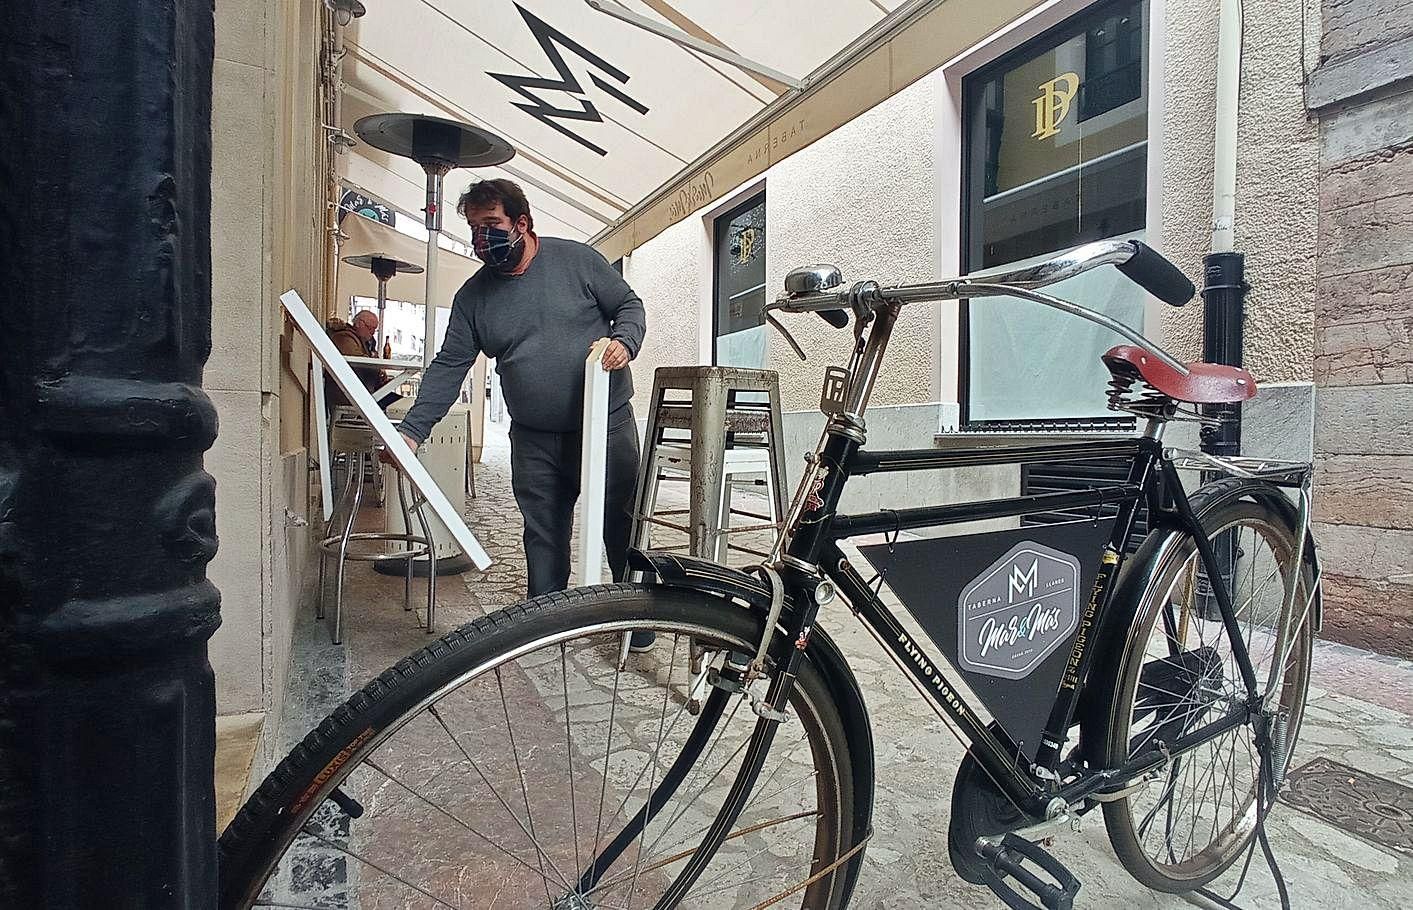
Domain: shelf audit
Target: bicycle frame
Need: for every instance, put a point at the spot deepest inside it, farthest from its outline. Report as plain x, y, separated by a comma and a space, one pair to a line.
808, 556
807, 565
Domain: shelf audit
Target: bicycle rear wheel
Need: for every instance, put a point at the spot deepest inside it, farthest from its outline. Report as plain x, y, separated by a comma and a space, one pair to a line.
1192, 821
502, 766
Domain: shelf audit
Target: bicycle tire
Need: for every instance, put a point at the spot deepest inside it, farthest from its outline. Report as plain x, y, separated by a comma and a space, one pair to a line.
266, 826
1227, 508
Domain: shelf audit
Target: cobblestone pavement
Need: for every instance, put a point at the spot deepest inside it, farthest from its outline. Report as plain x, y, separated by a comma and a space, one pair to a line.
1358, 715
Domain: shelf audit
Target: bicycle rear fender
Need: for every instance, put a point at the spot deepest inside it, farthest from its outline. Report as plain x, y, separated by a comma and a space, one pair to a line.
689, 572
1139, 567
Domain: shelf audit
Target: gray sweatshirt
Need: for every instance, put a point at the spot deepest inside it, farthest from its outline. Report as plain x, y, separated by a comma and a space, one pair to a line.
538, 326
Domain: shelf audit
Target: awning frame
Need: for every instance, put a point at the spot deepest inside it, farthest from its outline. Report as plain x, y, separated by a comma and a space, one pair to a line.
756, 145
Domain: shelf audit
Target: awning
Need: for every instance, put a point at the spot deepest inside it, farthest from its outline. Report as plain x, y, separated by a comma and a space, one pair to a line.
619, 131
367, 236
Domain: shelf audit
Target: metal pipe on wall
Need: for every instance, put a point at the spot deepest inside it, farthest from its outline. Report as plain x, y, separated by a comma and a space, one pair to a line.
1224, 285
107, 520
1229, 27
334, 87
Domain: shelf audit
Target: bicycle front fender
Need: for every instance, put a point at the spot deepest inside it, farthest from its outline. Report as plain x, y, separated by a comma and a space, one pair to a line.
692, 573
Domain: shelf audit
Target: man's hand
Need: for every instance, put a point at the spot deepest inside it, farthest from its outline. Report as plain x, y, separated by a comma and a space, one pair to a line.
385, 458
615, 356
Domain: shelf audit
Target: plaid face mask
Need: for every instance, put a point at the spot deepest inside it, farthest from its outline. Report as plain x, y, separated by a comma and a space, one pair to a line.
497, 248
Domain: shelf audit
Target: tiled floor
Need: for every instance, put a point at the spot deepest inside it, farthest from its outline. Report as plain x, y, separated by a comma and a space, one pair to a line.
1360, 714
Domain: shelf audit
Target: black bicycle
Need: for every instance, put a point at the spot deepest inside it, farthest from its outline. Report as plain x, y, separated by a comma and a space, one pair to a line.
1161, 679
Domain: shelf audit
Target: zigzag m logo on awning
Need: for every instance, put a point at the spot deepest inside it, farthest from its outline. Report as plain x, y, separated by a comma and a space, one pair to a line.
551, 40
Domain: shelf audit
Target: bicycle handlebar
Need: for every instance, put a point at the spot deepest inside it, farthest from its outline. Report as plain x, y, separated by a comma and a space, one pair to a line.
1151, 270
1139, 262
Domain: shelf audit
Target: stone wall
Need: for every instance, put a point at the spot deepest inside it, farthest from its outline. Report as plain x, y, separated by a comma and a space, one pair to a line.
1362, 93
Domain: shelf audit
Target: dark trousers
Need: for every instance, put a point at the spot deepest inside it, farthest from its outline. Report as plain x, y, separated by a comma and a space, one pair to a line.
544, 473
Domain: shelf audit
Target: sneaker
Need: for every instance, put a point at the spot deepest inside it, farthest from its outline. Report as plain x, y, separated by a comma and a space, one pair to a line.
641, 641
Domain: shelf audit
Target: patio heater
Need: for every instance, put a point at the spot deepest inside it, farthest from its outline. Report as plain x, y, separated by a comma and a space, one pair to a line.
438, 145
383, 268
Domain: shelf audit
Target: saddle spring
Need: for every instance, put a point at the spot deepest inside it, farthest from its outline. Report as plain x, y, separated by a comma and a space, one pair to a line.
1131, 394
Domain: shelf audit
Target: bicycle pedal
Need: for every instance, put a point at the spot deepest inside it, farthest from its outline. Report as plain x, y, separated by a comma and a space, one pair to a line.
1005, 861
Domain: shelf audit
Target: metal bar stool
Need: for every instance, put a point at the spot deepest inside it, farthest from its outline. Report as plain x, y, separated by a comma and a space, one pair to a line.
358, 444
709, 425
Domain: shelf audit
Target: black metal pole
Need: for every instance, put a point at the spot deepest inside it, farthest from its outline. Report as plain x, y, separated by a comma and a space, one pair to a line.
1223, 313
107, 730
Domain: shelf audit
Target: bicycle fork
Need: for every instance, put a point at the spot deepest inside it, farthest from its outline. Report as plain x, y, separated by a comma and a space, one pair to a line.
757, 749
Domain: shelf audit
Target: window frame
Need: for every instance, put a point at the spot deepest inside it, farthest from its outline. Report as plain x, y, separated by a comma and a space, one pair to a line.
748, 202
1071, 25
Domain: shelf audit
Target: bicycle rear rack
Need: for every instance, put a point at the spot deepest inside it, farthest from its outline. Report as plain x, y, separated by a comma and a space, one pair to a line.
1273, 470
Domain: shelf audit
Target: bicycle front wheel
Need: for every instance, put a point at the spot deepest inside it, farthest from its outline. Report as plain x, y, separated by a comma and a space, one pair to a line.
510, 763
1179, 673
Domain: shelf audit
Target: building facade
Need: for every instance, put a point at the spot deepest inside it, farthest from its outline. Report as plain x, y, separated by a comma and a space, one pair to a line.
954, 174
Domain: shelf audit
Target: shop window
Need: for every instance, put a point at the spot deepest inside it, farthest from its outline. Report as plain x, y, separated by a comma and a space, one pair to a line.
1055, 154
738, 251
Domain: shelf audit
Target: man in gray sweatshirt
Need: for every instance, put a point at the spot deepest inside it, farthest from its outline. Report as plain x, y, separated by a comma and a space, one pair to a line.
538, 305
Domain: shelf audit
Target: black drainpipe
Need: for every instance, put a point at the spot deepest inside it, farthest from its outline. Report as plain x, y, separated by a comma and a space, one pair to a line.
1223, 313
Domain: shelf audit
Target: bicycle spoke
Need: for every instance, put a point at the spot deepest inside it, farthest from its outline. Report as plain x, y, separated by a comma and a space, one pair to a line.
657, 751
1190, 676
441, 811
524, 791
607, 749
569, 751
657, 754
684, 854
452, 816
687, 804
698, 832
367, 862
475, 766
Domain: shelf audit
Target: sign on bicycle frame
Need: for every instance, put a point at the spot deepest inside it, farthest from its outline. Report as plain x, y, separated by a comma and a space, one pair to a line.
1003, 607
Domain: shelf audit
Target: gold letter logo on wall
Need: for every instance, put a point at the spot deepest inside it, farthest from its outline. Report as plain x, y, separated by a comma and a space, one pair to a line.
1053, 105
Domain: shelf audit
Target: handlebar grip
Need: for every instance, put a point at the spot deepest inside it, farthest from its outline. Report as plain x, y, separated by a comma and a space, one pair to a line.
1157, 275
836, 318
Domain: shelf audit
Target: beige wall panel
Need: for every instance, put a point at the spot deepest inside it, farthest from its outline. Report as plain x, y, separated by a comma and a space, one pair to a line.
267, 203
1277, 176
237, 570
751, 156
239, 128
943, 33
240, 31
668, 274
866, 205
847, 94
293, 573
